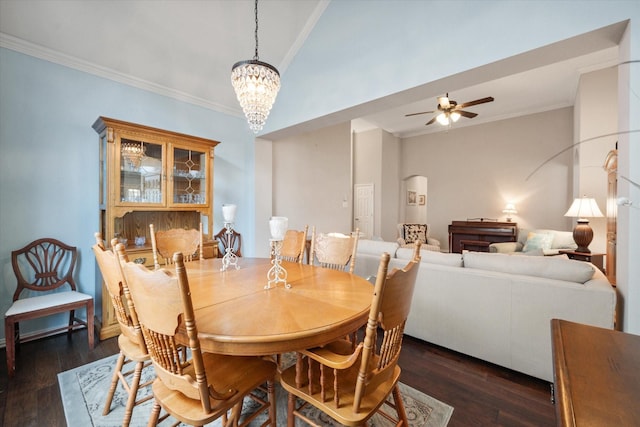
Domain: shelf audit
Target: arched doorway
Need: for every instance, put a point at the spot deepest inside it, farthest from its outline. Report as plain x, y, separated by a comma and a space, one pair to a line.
414, 200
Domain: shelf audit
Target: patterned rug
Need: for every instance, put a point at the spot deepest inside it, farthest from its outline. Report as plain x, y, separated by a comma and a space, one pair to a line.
84, 391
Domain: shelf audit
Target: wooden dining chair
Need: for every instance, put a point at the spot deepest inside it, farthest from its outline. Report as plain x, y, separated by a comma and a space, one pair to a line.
294, 244
334, 250
206, 386
167, 242
349, 385
130, 341
232, 240
42, 269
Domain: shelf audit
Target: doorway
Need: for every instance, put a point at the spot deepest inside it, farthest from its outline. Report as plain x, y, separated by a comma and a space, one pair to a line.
363, 209
414, 200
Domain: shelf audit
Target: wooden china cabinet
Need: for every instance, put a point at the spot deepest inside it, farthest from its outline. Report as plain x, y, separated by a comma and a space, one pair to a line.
150, 176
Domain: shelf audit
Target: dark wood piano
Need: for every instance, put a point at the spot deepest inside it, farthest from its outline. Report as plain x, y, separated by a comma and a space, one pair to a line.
477, 235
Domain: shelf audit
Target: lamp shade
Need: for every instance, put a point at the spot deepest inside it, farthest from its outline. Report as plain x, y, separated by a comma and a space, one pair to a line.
584, 207
510, 208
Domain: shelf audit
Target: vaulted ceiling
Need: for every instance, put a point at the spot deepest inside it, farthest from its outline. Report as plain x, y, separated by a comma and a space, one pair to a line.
185, 49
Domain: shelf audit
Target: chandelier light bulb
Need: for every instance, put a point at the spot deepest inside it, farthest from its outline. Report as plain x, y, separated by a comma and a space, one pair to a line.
256, 85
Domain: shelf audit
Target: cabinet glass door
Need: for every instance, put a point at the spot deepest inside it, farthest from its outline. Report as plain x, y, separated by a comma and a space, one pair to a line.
189, 176
140, 172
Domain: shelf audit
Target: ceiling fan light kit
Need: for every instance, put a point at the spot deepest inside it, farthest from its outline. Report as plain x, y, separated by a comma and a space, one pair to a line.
256, 84
450, 111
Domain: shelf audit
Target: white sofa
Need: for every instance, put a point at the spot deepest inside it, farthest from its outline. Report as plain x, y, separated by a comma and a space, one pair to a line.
497, 307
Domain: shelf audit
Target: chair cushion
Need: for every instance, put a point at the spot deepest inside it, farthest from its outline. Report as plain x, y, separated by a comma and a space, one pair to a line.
26, 305
415, 232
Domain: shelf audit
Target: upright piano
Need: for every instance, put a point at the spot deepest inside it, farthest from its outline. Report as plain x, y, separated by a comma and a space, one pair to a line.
477, 235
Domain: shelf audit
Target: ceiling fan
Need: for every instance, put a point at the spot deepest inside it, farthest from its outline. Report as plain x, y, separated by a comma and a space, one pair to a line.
449, 111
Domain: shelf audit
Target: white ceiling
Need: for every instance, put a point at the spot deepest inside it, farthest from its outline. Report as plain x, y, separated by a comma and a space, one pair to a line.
185, 49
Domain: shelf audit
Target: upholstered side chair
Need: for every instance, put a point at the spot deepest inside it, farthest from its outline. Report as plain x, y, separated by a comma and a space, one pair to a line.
43, 268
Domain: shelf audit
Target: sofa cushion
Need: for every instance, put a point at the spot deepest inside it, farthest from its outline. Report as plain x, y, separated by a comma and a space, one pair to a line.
547, 267
415, 232
432, 257
538, 242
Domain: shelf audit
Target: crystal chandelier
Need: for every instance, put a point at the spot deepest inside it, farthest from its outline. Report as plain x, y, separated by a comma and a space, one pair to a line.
133, 152
256, 84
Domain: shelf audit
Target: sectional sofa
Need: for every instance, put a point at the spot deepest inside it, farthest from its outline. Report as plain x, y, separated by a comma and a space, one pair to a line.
497, 307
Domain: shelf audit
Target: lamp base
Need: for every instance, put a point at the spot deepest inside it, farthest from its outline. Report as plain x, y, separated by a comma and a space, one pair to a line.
583, 235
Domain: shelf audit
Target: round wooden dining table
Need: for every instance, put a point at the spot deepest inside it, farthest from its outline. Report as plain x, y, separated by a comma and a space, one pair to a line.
236, 315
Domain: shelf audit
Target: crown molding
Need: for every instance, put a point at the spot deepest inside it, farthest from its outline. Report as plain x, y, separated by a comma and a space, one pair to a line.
50, 55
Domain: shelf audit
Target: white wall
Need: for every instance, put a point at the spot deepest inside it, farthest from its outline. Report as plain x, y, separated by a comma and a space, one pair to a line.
312, 179
367, 169
49, 163
596, 123
390, 189
376, 161
474, 171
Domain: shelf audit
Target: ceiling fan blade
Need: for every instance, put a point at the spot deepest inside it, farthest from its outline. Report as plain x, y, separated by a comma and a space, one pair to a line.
467, 114
476, 102
415, 114
430, 121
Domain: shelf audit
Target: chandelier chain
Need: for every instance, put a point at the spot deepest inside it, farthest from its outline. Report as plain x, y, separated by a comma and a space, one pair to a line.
255, 57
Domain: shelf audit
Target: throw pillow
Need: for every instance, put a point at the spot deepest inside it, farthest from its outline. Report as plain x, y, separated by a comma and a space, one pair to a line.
415, 232
538, 241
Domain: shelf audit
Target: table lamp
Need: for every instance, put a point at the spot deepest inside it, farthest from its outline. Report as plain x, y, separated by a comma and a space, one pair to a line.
583, 208
509, 209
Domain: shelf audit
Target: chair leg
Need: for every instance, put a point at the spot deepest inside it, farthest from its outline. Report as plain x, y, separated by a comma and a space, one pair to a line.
72, 316
291, 406
16, 337
271, 391
114, 383
133, 393
402, 414
155, 413
90, 330
9, 333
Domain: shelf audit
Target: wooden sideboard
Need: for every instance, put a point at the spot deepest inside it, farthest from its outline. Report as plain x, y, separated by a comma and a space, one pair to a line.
478, 235
596, 375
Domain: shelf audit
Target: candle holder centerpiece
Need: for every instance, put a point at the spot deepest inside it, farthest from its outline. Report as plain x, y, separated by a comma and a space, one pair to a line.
277, 274
229, 259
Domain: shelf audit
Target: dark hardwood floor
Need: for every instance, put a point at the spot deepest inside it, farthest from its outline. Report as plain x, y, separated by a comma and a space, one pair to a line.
481, 394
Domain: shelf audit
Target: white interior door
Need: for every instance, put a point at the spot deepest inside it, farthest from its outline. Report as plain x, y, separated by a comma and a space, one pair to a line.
363, 209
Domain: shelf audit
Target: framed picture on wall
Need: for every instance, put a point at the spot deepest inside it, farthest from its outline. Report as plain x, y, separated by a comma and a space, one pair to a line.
422, 199
411, 197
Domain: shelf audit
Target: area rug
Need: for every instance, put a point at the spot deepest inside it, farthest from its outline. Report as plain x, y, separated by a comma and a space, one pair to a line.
84, 390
